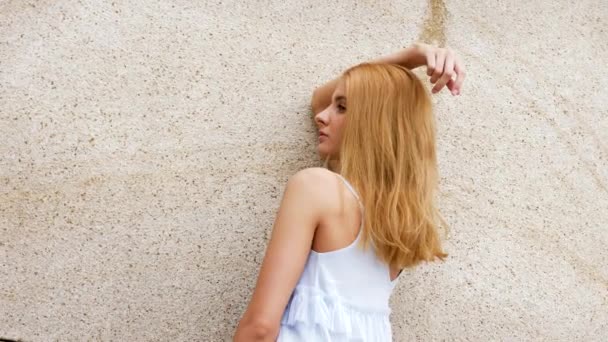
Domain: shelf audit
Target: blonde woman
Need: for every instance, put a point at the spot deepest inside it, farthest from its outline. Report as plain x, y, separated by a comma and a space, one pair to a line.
343, 233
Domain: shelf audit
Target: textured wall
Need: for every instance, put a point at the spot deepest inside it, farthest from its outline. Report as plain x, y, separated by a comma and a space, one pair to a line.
145, 145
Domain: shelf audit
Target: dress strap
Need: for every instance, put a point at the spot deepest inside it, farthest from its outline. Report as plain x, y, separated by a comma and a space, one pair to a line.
354, 192
350, 187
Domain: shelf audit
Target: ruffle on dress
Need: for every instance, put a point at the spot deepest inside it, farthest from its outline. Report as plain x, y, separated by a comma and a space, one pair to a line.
334, 317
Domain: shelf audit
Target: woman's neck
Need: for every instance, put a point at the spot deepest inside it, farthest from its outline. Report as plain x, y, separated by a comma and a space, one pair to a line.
334, 165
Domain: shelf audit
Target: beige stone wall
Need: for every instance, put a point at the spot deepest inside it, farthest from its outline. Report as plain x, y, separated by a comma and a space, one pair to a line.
145, 145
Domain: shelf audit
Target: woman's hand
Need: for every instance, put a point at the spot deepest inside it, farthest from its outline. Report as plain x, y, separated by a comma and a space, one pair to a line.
443, 66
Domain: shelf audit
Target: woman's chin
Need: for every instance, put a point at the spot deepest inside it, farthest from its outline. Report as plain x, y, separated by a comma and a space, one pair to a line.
324, 154
322, 151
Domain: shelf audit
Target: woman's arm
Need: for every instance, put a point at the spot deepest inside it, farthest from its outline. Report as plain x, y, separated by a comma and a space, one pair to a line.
297, 219
442, 64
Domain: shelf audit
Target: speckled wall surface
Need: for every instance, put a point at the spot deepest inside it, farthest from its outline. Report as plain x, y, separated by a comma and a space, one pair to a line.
145, 145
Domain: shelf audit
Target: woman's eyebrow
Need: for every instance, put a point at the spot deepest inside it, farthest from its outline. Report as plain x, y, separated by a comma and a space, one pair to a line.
341, 97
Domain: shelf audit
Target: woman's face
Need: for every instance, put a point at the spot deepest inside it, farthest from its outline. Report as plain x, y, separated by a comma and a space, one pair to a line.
331, 122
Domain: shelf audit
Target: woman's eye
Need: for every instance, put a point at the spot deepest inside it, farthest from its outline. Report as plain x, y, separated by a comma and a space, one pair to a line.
341, 108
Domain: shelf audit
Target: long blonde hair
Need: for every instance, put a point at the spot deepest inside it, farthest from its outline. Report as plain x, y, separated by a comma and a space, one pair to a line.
388, 154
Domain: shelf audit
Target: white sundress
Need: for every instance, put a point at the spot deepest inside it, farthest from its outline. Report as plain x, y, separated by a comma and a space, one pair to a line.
342, 295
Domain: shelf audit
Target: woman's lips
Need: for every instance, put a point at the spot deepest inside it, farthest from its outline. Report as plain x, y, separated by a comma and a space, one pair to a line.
322, 137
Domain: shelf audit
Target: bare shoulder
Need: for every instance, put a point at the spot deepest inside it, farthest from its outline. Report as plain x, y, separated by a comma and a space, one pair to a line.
317, 178
319, 172
314, 182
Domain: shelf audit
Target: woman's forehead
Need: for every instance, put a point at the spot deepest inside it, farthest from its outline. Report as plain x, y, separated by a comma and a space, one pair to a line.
340, 91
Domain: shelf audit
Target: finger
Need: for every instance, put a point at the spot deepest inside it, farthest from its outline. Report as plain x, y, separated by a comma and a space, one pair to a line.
442, 81
460, 75
439, 61
451, 83
430, 63
448, 72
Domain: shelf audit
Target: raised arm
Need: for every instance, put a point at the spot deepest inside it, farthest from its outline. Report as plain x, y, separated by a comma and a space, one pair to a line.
442, 64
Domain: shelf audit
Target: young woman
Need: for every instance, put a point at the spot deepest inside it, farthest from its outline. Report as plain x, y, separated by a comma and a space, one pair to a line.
343, 233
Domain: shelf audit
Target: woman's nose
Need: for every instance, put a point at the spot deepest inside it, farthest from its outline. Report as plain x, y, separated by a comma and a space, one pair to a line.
322, 117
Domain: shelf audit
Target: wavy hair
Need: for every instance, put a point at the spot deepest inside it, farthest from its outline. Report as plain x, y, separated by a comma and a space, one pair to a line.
388, 154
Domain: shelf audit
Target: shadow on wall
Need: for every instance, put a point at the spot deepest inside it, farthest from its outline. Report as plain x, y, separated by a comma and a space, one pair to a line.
433, 28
